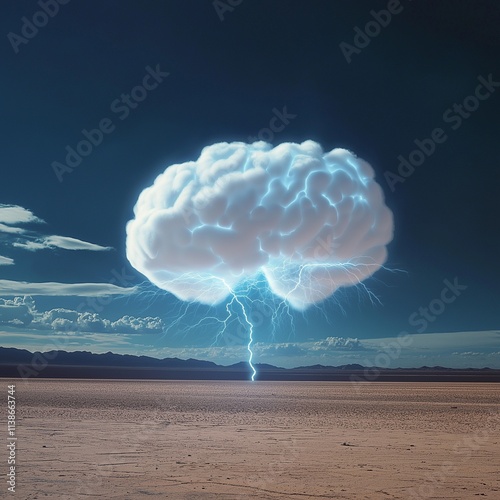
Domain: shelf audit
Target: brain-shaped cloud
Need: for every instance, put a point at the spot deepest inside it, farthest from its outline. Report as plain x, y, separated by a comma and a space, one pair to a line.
310, 221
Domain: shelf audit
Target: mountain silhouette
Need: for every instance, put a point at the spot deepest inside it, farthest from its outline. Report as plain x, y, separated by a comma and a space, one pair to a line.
20, 363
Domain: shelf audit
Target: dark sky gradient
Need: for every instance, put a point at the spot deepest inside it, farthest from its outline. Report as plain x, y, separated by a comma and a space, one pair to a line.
225, 79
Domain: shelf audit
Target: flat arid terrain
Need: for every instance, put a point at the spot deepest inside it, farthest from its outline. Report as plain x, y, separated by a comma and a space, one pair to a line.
263, 440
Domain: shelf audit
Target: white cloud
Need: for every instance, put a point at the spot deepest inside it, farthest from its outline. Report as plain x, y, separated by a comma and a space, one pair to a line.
21, 311
16, 312
33, 241
336, 344
129, 324
12, 230
10, 288
14, 214
277, 349
68, 243
68, 320
19, 301
31, 246
64, 242
310, 221
6, 261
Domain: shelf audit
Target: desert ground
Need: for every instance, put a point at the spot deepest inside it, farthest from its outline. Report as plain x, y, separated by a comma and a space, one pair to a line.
263, 440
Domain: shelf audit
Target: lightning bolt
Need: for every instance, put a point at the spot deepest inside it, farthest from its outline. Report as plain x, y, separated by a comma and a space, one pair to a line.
224, 322
245, 294
250, 329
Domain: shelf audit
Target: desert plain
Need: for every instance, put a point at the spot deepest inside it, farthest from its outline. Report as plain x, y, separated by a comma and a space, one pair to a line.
182, 440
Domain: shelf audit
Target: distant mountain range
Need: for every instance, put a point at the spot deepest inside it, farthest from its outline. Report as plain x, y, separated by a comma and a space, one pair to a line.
20, 363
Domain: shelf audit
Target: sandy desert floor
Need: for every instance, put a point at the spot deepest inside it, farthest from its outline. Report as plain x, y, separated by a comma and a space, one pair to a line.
264, 440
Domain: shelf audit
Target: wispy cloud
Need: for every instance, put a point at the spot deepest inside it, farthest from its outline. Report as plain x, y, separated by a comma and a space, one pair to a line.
31, 246
13, 215
467, 354
11, 230
279, 349
68, 243
64, 242
437, 342
9, 288
6, 261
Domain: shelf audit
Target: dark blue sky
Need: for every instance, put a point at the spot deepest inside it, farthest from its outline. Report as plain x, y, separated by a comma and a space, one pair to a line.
225, 78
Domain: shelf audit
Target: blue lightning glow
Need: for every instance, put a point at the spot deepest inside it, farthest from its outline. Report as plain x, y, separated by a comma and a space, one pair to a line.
252, 226
225, 322
250, 333
264, 304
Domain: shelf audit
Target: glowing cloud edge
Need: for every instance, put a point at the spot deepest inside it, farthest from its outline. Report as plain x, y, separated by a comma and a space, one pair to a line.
310, 222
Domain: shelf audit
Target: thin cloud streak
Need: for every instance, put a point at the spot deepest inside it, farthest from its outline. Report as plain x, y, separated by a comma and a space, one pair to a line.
63, 242
9, 288
12, 215
6, 261
11, 230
